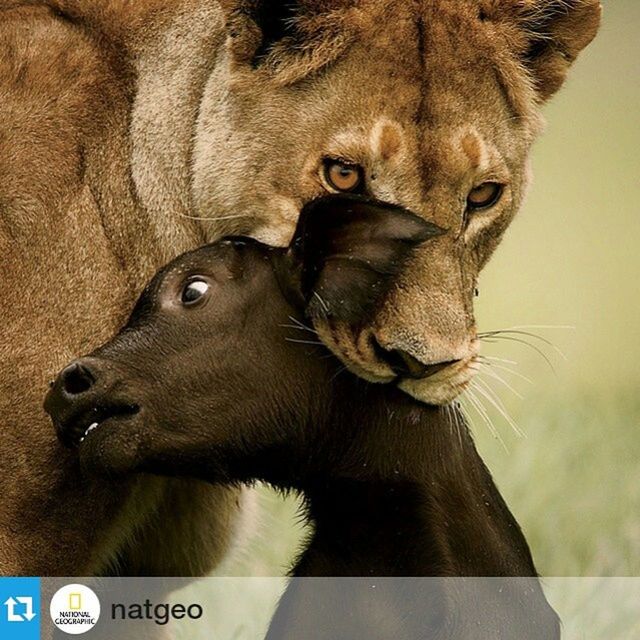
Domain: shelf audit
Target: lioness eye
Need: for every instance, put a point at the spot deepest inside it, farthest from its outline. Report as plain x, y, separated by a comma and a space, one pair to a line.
484, 196
342, 176
194, 292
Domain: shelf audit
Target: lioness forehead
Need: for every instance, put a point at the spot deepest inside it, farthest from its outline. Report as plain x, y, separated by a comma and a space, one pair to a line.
422, 71
397, 99
445, 49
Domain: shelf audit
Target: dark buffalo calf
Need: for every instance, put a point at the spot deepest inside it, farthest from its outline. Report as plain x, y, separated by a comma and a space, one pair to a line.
218, 376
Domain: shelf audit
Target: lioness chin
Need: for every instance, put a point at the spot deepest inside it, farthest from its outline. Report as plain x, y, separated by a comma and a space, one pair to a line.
134, 131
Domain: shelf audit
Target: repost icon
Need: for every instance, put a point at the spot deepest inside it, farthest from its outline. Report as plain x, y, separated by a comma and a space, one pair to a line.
19, 608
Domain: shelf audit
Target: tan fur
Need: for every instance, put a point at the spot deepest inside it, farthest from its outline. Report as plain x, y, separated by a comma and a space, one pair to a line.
131, 131
400, 101
76, 245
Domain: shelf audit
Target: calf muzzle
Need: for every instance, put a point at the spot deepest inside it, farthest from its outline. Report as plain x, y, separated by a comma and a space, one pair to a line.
82, 398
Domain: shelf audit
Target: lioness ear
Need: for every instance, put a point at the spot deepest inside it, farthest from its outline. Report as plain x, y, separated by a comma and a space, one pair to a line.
349, 249
290, 36
557, 31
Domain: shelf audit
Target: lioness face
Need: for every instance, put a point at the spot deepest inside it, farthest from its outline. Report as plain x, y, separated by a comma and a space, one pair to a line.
431, 106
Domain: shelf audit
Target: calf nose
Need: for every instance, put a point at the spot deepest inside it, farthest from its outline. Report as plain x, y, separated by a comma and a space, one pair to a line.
77, 378
405, 365
86, 394
78, 387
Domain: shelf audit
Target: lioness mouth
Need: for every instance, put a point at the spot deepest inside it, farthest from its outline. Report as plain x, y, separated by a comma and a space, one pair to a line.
79, 427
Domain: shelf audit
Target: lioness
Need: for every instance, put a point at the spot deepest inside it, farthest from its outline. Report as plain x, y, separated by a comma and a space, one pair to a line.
133, 131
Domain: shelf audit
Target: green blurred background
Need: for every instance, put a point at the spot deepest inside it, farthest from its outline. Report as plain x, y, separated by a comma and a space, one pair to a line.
571, 258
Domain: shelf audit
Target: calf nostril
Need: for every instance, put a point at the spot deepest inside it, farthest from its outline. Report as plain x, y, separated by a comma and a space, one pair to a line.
76, 379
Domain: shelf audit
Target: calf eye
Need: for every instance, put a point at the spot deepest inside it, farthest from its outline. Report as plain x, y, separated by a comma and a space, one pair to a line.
484, 196
194, 291
342, 176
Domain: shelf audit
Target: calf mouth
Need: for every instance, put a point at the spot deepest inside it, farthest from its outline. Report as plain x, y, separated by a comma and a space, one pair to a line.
75, 429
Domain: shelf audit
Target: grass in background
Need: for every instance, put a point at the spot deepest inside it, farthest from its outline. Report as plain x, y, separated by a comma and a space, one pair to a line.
574, 483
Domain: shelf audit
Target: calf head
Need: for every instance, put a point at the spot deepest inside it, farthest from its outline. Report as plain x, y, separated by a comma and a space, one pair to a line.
215, 363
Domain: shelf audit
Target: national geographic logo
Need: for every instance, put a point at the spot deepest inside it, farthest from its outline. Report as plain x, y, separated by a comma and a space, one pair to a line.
75, 609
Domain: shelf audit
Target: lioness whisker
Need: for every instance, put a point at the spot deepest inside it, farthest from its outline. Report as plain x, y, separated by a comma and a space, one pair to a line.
215, 218
453, 421
567, 327
491, 391
485, 390
311, 342
322, 302
295, 328
495, 376
495, 334
477, 405
302, 325
464, 409
337, 373
482, 412
494, 365
495, 359
496, 338
456, 411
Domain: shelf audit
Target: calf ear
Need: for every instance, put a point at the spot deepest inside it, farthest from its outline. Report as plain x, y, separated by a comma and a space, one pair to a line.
557, 31
348, 250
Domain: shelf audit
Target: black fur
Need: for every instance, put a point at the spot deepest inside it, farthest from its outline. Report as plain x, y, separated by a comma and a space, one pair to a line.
238, 389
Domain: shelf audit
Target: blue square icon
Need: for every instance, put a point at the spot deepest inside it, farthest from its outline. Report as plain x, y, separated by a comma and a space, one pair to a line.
20, 608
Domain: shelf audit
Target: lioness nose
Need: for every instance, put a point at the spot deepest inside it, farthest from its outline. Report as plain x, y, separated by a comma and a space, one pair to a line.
405, 365
77, 378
